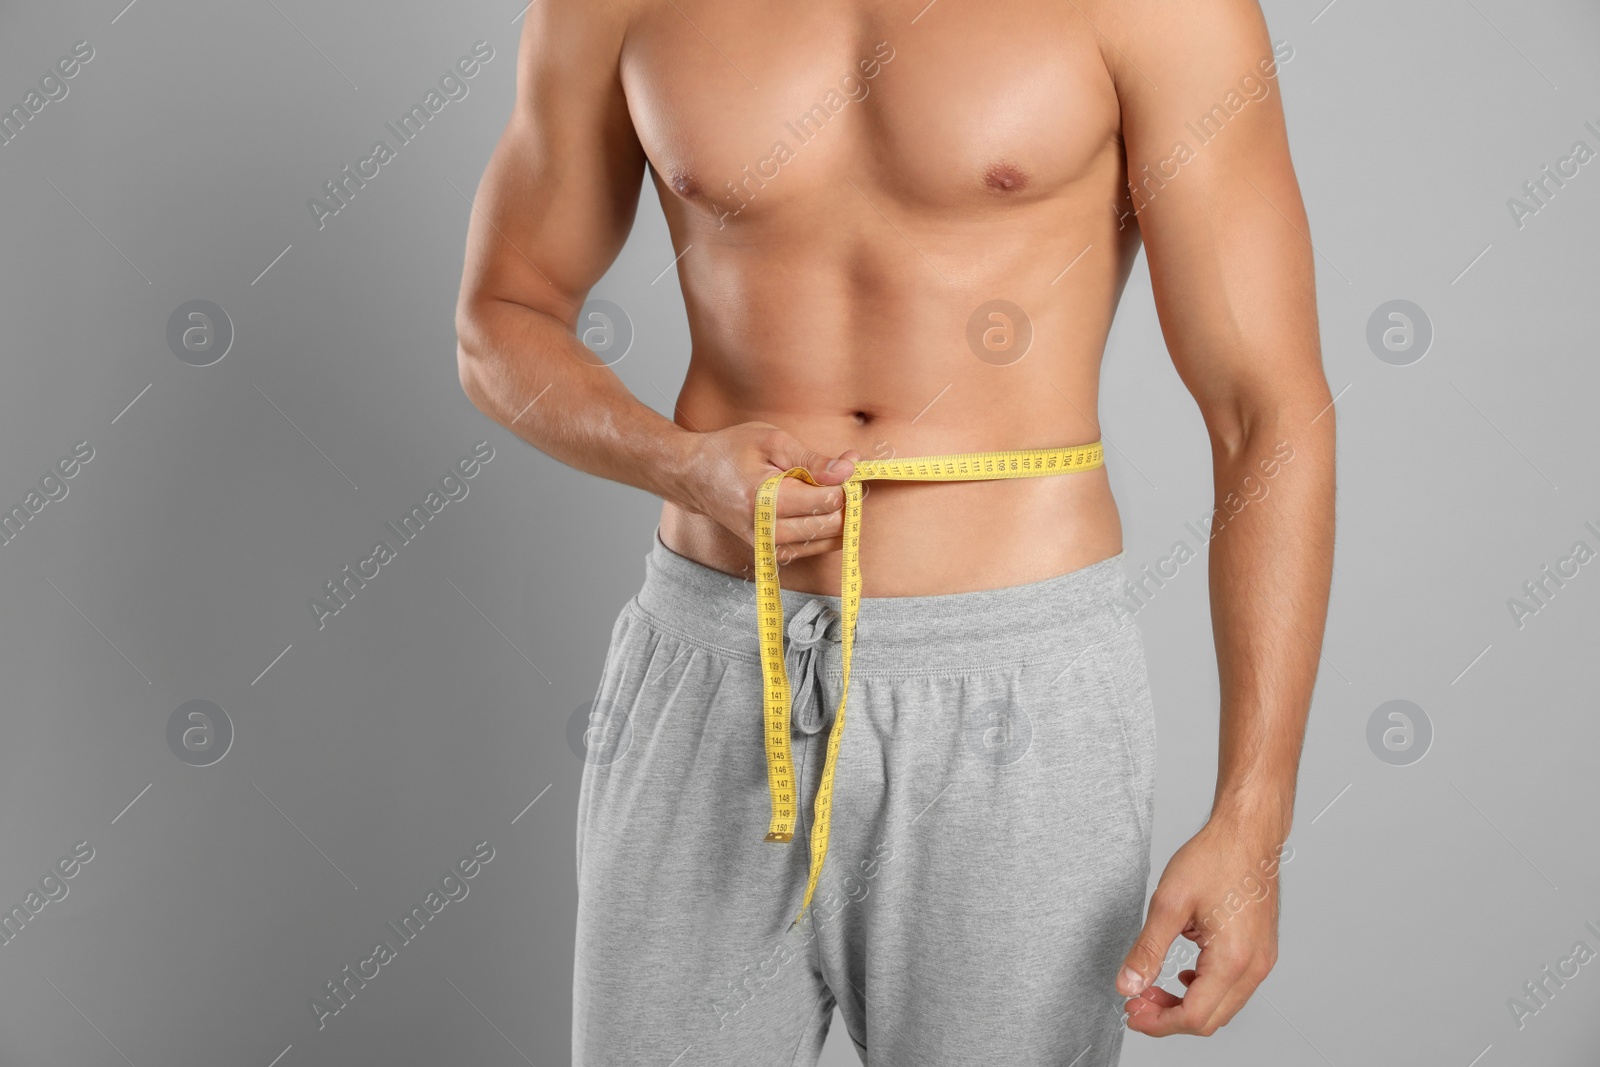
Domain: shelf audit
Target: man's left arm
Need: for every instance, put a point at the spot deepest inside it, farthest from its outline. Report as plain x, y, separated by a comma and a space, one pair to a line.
1231, 266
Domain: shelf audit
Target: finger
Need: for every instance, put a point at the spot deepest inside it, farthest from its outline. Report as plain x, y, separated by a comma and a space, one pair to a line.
795, 497
849, 456
1167, 917
824, 468
805, 549
1142, 1010
1235, 999
1201, 1000
1157, 1013
1155, 997
1150, 1000
803, 528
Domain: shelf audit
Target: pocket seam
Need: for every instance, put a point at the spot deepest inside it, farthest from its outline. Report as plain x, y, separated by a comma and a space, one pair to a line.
1124, 708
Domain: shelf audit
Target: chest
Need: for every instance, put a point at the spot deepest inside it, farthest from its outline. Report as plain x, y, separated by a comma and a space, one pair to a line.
749, 106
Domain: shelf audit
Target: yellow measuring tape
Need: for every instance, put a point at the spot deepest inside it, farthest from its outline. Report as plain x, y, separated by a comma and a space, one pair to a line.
957, 467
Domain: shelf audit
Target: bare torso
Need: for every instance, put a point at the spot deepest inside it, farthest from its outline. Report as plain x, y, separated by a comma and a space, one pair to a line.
847, 188
847, 183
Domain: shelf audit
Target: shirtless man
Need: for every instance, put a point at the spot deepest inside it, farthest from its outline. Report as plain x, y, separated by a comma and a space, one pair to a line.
849, 186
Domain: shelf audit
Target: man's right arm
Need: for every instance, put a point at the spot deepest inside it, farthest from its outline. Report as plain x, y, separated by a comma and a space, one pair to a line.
553, 209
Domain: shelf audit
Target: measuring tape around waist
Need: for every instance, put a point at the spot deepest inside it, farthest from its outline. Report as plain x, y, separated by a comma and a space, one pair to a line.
776, 697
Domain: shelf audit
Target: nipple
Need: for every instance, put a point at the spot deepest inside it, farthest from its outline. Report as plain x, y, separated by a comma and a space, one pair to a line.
1006, 177
685, 185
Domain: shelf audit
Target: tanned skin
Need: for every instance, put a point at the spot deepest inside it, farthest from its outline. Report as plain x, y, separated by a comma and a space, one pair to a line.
967, 153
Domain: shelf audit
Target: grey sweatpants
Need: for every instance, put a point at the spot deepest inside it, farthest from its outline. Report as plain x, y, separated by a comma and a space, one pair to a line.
990, 845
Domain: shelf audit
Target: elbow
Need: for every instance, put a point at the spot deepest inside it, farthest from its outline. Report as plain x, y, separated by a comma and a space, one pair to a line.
501, 347
468, 373
1303, 419
471, 357
1232, 427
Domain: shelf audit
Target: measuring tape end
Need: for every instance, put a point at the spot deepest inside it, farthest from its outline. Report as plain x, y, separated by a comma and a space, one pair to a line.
779, 836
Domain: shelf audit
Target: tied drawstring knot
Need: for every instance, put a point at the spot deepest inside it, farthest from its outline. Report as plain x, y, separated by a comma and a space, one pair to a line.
807, 630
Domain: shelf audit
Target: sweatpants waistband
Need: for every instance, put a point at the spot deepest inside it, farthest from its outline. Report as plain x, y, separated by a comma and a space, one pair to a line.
932, 634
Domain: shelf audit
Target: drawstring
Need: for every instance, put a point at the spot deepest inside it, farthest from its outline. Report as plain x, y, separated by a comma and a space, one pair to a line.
807, 630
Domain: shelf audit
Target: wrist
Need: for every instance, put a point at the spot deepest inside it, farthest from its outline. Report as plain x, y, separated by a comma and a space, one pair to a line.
677, 466
1257, 816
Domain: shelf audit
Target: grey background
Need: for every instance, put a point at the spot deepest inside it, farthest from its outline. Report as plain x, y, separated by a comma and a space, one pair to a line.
431, 713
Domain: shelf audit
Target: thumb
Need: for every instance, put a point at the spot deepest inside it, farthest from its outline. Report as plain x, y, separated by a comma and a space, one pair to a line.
824, 468
1167, 918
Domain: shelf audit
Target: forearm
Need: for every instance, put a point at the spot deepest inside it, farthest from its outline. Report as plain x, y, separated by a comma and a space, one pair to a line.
1270, 569
526, 370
